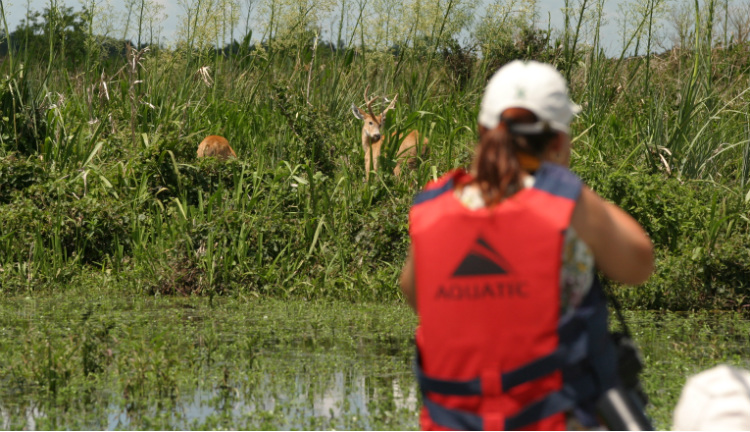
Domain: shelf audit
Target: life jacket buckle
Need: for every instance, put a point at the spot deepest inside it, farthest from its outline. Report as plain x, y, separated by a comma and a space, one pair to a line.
492, 389
494, 421
492, 382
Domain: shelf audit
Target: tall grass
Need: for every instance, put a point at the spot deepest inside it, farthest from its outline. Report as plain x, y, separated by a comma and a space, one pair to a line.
98, 168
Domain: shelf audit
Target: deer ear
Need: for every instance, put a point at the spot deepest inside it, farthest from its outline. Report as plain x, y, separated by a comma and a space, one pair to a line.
357, 112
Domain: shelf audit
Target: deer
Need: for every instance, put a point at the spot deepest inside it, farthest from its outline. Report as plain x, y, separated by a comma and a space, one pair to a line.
372, 139
215, 145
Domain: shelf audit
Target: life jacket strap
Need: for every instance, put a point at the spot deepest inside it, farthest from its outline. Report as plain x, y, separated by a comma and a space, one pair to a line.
585, 356
450, 418
569, 358
429, 194
565, 355
554, 403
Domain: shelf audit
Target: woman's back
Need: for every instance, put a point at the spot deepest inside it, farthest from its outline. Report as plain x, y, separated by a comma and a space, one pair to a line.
513, 325
489, 294
577, 264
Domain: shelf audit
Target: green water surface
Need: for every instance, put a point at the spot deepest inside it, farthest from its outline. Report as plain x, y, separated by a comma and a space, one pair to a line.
122, 362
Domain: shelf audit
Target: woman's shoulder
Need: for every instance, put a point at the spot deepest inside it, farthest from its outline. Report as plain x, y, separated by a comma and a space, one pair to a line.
437, 187
558, 180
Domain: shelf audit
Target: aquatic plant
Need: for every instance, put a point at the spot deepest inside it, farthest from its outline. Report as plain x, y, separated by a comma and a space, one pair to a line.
98, 171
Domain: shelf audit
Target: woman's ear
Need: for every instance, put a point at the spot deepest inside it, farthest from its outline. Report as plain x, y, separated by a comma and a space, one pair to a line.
482, 130
556, 143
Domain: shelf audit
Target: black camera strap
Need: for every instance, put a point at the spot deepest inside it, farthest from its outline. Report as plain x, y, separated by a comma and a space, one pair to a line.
623, 408
618, 310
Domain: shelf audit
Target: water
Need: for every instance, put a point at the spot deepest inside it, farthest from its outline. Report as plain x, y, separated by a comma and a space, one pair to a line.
125, 363
182, 364
343, 400
289, 394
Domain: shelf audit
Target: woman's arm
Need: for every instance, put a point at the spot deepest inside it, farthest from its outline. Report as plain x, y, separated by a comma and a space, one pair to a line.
621, 248
408, 287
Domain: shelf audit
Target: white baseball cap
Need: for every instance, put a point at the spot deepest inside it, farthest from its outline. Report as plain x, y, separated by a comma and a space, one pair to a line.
715, 399
536, 86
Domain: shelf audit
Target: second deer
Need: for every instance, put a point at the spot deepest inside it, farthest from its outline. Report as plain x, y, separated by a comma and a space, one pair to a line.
215, 145
372, 139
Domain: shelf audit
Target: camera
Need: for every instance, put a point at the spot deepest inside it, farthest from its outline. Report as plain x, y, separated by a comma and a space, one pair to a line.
622, 407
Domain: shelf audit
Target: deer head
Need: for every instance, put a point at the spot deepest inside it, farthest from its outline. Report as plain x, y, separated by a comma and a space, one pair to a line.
372, 123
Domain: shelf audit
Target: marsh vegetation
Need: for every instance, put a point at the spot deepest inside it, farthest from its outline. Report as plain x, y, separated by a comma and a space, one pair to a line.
106, 211
100, 360
98, 140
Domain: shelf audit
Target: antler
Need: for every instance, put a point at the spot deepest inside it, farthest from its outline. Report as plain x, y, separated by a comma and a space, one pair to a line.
370, 101
390, 107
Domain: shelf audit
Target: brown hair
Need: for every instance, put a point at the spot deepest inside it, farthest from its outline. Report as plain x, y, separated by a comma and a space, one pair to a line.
498, 170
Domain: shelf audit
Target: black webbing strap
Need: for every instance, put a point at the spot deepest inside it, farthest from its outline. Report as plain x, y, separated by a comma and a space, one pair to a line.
452, 418
566, 354
616, 304
554, 403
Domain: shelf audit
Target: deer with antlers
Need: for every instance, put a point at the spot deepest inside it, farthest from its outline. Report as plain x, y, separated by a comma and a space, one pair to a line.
372, 139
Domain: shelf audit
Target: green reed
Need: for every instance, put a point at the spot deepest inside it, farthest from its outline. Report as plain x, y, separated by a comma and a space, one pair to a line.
99, 170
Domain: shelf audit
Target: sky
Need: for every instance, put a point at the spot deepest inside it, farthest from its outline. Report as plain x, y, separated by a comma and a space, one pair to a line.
549, 10
610, 40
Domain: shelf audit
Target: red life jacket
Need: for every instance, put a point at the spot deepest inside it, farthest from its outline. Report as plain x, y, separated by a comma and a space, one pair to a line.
493, 352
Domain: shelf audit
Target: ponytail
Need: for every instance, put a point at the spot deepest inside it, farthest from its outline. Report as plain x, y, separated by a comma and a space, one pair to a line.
498, 169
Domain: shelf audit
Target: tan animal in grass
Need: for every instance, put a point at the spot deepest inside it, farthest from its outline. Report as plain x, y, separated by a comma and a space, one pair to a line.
214, 145
372, 139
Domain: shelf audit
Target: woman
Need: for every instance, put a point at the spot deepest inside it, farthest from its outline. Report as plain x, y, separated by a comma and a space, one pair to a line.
501, 270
